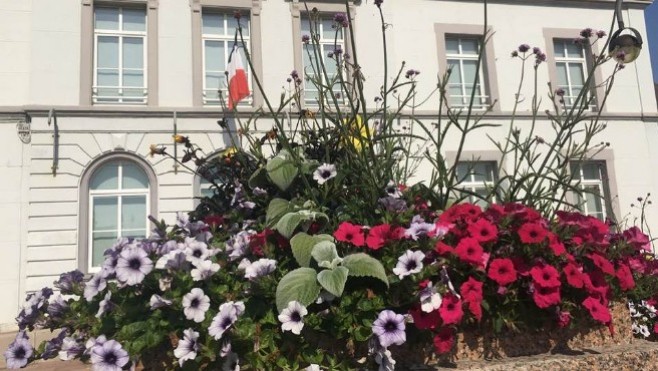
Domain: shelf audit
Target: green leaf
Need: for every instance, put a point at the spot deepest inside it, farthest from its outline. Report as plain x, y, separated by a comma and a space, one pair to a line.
333, 280
302, 245
288, 223
275, 210
324, 251
258, 178
364, 265
300, 285
282, 170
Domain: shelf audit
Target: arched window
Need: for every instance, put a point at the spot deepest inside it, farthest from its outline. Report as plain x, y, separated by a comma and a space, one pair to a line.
117, 200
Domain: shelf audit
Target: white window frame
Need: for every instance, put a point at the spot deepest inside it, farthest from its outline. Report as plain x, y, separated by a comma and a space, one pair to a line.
568, 61
583, 184
121, 34
119, 193
461, 57
322, 42
472, 185
228, 47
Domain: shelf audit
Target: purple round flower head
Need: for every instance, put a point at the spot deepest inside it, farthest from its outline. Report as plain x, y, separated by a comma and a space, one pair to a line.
330, 54
338, 51
109, 356
294, 74
560, 92
19, 351
70, 349
409, 74
389, 328
237, 15
292, 318
227, 316
523, 48
620, 56
341, 19
515, 53
379, 3
68, 281
95, 285
187, 347
587, 32
133, 266
409, 263
536, 50
195, 305
601, 34
306, 39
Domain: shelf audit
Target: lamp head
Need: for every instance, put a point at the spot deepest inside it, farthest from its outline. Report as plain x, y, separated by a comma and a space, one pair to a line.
625, 48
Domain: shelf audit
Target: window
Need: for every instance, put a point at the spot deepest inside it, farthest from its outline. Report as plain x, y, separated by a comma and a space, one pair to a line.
592, 179
331, 39
476, 177
462, 56
218, 37
119, 197
119, 56
571, 66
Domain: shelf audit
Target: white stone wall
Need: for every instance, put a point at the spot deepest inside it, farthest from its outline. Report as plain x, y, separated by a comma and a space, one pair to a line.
40, 68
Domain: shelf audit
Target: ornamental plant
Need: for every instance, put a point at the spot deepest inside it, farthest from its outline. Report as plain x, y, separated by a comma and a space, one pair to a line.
317, 252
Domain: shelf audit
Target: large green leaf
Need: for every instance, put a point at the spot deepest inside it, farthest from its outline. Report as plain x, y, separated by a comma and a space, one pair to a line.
302, 245
364, 265
333, 280
282, 170
289, 222
299, 285
324, 251
275, 210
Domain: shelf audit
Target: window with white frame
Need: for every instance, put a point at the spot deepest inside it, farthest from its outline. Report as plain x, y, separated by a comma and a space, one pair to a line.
120, 56
118, 202
218, 37
592, 179
476, 177
331, 38
571, 66
462, 56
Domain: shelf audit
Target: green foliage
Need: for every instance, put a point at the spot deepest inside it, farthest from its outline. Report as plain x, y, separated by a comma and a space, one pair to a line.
333, 280
299, 285
364, 265
282, 170
302, 244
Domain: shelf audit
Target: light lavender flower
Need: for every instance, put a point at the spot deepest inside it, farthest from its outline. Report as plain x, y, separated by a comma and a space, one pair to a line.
158, 301
105, 305
196, 251
409, 263
392, 190
95, 285
204, 269
419, 228
19, 351
53, 345
133, 266
195, 305
324, 172
187, 347
259, 268
92, 342
385, 360
68, 281
430, 299
227, 316
174, 260
109, 356
237, 245
71, 349
389, 328
292, 318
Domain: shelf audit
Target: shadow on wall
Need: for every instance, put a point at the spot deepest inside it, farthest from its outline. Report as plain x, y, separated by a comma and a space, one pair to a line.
655, 86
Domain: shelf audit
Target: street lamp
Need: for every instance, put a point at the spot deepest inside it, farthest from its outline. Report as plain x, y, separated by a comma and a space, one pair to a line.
625, 48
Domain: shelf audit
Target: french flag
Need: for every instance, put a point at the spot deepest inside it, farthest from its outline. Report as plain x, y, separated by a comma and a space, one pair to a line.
238, 86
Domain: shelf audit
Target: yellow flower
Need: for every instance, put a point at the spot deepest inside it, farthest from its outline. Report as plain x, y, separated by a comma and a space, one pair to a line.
230, 151
358, 132
180, 139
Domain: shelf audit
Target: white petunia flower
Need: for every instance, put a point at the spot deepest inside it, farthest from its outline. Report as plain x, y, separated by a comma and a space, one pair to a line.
204, 269
227, 316
292, 317
430, 299
187, 347
195, 305
259, 268
158, 301
324, 172
409, 263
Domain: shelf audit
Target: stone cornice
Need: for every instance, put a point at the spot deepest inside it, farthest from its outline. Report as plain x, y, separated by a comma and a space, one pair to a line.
635, 4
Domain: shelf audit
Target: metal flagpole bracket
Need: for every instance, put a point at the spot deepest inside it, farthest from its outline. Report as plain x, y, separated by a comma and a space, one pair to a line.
52, 118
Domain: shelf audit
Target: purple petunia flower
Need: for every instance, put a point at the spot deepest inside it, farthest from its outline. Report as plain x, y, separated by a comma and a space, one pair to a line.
174, 260
158, 301
389, 328
105, 305
187, 347
418, 228
237, 245
393, 205
259, 268
109, 356
53, 345
70, 349
95, 285
19, 351
133, 266
292, 318
92, 342
409, 263
227, 316
68, 281
195, 305
204, 269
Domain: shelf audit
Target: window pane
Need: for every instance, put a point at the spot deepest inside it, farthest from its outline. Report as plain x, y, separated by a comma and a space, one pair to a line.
107, 77
104, 213
562, 75
573, 50
452, 45
329, 63
463, 172
470, 68
576, 74
106, 18
329, 31
213, 24
558, 47
306, 26
107, 95
108, 52
482, 171
134, 19
215, 80
133, 214
133, 52
132, 78
101, 241
232, 24
455, 75
134, 177
215, 55
469, 46
107, 177
205, 188
593, 199
591, 171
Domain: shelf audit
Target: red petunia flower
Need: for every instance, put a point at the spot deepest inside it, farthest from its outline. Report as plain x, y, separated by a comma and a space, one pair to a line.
532, 233
475, 307
597, 310
471, 290
470, 251
258, 241
555, 245
348, 232
379, 235
545, 275
625, 277
602, 263
655, 328
545, 297
214, 221
597, 286
451, 310
443, 249
444, 340
563, 319
424, 320
483, 231
502, 271
574, 275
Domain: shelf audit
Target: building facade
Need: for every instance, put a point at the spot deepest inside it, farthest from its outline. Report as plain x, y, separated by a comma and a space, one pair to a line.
87, 86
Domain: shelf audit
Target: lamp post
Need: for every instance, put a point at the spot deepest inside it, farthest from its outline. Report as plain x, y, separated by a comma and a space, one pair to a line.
625, 48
